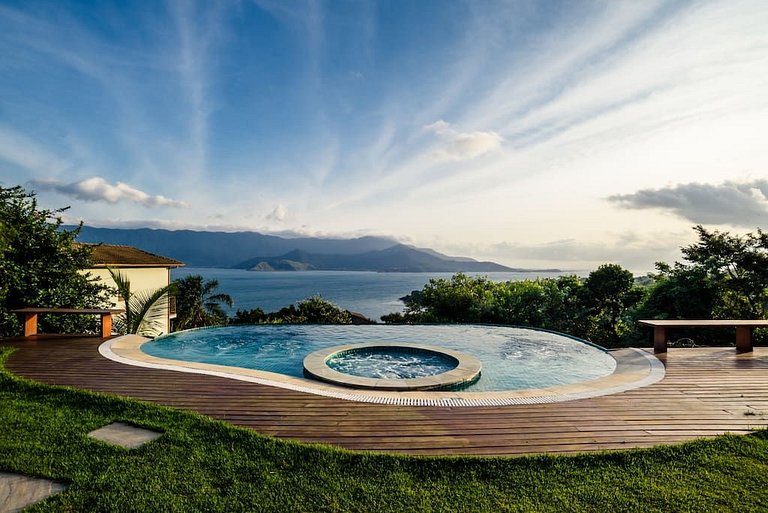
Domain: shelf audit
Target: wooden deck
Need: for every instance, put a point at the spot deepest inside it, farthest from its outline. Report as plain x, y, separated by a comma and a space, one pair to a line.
707, 391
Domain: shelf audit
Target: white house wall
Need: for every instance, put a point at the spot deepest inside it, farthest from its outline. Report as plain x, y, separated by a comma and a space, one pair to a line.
141, 278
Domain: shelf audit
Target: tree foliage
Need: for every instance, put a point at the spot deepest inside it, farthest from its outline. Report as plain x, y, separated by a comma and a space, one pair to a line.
198, 304
610, 294
41, 266
739, 267
313, 310
593, 308
722, 276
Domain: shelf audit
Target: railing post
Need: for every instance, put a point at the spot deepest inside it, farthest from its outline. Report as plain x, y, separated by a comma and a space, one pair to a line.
744, 339
106, 325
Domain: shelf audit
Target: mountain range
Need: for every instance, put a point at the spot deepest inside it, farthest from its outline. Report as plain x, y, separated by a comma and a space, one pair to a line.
259, 252
398, 258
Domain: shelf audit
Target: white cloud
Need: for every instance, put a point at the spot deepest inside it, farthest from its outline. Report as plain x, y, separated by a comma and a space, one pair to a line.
458, 146
279, 213
98, 189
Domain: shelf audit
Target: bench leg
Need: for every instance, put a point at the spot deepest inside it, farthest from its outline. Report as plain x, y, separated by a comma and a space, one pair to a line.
30, 325
743, 339
106, 325
659, 339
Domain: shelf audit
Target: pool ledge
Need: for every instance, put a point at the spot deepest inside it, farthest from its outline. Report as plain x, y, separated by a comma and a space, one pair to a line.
635, 368
467, 369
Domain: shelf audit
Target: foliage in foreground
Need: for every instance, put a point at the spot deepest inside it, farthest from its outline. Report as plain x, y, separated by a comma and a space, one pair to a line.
40, 266
204, 465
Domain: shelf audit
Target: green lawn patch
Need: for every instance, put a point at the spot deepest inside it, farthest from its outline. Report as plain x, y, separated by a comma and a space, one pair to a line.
201, 464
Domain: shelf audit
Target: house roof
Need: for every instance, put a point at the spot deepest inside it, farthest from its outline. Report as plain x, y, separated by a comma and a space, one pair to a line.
111, 255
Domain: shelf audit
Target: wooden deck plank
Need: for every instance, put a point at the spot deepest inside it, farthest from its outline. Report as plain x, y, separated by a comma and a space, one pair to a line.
706, 392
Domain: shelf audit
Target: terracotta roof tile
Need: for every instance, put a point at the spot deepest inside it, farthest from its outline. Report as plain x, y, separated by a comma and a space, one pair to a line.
127, 256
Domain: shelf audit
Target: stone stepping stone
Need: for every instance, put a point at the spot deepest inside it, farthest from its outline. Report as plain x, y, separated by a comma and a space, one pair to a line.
18, 492
125, 435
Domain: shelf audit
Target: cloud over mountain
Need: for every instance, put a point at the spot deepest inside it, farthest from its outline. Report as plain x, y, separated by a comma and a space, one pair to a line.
98, 189
731, 203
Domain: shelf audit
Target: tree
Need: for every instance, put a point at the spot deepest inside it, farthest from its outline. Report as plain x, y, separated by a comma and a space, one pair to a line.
739, 267
197, 304
255, 316
680, 292
610, 291
313, 310
144, 311
316, 310
40, 266
460, 299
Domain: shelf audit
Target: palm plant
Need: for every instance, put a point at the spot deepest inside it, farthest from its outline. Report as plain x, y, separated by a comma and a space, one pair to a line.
145, 311
197, 303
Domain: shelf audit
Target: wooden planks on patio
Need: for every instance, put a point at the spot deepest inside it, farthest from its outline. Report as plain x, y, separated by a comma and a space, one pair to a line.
706, 392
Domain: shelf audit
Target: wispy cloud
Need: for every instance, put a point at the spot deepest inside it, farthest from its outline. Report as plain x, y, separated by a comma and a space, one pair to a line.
743, 204
98, 189
200, 30
632, 250
21, 150
331, 111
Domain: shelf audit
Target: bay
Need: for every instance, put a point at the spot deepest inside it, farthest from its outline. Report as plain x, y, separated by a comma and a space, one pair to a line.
369, 293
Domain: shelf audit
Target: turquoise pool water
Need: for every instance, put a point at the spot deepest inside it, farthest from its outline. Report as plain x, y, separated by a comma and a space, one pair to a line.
391, 363
512, 358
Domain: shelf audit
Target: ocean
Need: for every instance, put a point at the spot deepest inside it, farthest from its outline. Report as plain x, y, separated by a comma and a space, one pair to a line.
369, 293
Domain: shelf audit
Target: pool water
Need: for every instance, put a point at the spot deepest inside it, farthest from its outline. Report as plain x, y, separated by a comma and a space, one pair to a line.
391, 363
512, 358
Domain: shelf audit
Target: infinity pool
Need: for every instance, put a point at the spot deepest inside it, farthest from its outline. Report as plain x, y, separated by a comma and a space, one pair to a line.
512, 358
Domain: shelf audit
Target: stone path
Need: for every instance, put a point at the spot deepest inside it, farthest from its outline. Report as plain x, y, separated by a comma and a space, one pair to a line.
18, 492
124, 435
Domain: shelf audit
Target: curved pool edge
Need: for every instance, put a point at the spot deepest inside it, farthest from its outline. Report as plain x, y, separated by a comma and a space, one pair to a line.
467, 369
635, 368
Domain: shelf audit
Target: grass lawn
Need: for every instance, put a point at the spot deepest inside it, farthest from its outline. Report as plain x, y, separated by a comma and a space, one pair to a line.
201, 464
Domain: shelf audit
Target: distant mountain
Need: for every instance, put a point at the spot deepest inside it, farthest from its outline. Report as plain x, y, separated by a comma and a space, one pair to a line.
222, 249
398, 258
237, 250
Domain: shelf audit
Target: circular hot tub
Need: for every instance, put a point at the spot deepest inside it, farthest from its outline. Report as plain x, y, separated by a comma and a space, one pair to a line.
393, 366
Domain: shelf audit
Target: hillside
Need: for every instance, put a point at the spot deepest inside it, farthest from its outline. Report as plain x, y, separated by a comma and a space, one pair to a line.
398, 258
223, 249
237, 250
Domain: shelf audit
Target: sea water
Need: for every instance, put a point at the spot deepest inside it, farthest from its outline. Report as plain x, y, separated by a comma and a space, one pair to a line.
372, 294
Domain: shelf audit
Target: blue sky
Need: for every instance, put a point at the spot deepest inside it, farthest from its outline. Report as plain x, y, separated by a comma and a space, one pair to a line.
532, 133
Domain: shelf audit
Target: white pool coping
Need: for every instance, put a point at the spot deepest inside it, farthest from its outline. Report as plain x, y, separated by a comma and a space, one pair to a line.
635, 368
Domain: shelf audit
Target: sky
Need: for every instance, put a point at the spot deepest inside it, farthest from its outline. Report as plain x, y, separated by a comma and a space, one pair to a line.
532, 133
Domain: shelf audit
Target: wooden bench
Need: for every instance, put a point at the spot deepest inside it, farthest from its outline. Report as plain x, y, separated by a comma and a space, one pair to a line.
743, 330
30, 317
